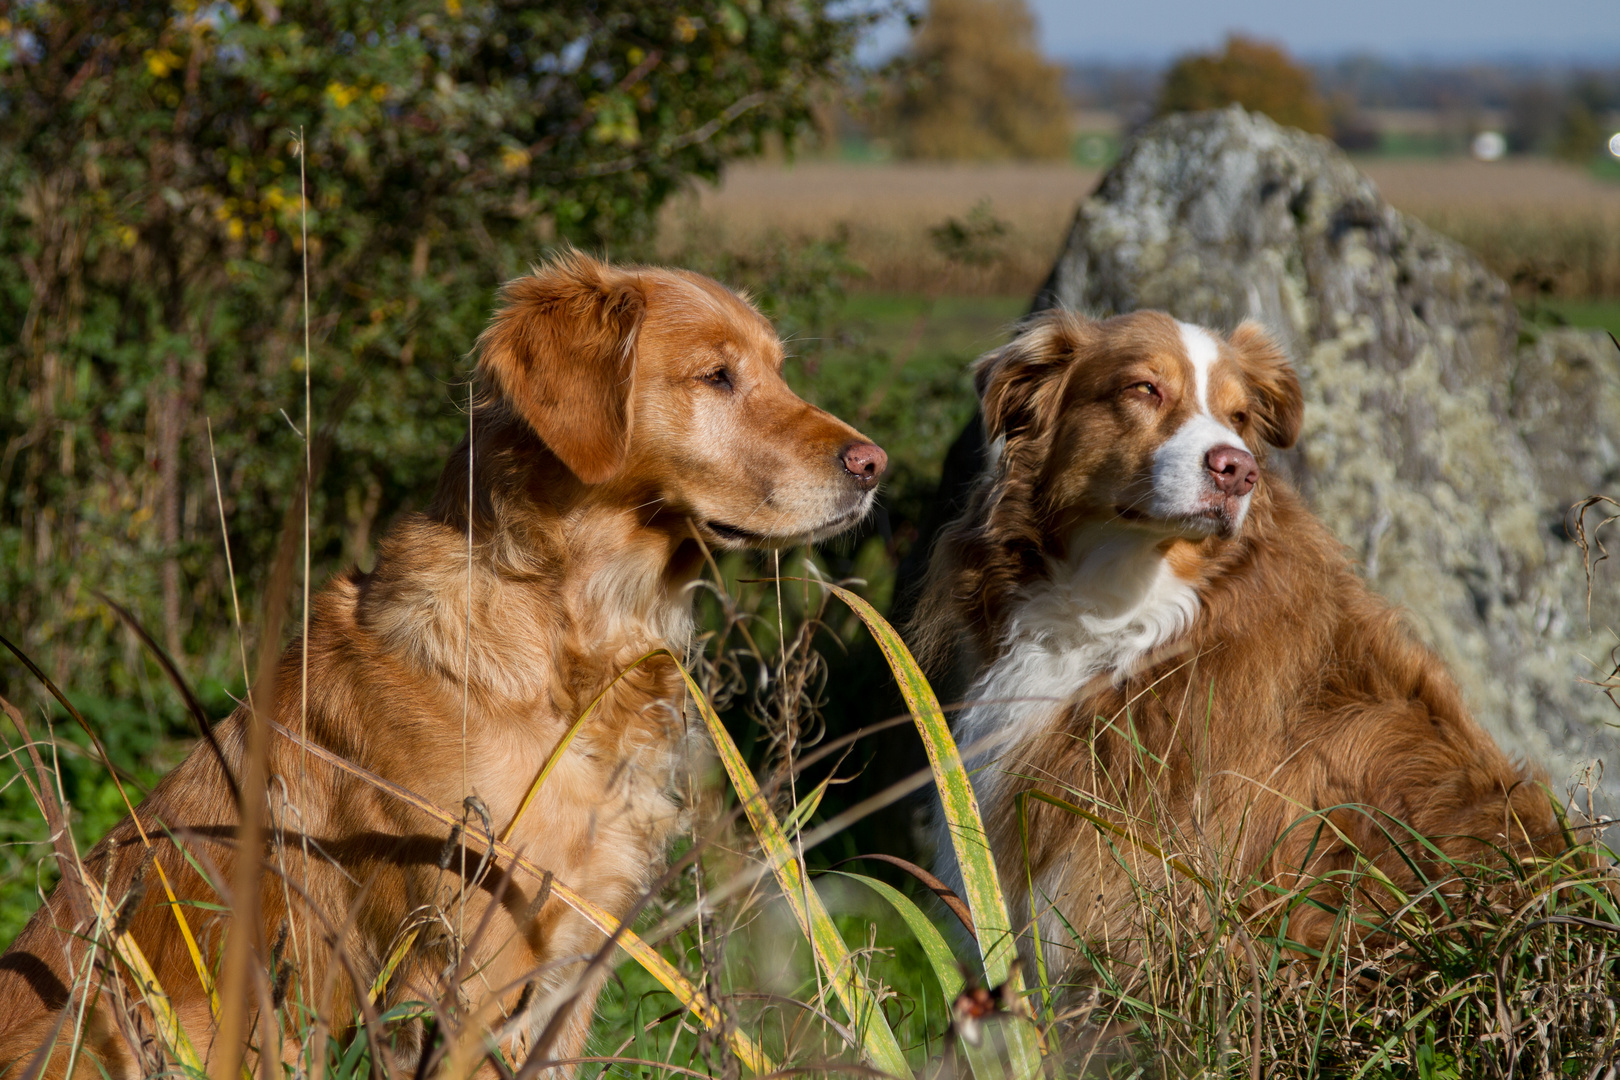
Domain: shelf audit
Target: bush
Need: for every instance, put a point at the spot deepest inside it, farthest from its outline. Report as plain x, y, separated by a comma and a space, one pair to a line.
1258, 76
152, 161
974, 86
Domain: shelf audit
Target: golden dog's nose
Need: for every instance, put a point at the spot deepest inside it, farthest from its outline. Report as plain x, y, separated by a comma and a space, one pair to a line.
865, 461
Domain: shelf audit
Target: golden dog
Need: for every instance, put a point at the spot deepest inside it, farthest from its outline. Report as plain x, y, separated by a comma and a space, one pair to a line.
629, 417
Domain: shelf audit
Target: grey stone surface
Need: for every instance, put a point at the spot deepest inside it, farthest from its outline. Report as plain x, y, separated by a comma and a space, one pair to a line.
1441, 448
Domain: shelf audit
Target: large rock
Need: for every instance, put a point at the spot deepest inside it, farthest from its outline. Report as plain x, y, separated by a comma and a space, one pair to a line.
1442, 449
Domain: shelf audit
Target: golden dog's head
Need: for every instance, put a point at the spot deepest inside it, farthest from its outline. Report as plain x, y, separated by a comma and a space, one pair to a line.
666, 388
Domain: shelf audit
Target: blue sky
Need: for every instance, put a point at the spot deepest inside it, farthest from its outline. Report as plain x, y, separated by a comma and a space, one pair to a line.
1587, 30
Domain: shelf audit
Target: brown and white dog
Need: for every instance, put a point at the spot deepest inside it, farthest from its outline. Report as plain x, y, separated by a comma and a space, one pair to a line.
1158, 631
630, 416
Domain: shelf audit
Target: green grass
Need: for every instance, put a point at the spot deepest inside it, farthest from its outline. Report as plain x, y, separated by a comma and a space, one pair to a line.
1403, 144
1607, 167
1095, 150
762, 961
1592, 314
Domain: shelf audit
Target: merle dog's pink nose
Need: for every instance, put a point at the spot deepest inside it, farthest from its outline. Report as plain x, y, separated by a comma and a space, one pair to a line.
865, 461
1234, 470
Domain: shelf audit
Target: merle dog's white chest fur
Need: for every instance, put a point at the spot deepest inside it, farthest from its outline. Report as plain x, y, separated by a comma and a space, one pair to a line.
1100, 612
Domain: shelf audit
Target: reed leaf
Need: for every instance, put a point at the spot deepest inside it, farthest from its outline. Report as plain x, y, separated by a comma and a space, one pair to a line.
980, 881
878, 1043
401, 950
940, 958
169, 1031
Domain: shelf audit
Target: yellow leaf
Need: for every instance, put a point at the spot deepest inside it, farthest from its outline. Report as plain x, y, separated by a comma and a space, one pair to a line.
160, 62
168, 1023
342, 96
514, 159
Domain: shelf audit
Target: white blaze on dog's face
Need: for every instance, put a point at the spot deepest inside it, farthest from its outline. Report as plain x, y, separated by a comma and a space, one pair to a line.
664, 390
1141, 420
1204, 473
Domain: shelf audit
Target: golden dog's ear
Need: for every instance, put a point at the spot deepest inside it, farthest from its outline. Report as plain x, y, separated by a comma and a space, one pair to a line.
1279, 402
562, 350
1016, 383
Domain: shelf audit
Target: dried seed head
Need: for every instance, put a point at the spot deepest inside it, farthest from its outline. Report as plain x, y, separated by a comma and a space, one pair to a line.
448, 852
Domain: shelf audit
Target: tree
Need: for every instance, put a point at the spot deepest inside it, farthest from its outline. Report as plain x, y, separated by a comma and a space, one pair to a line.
1581, 135
1533, 117
151, 254
973, 85
1258, 76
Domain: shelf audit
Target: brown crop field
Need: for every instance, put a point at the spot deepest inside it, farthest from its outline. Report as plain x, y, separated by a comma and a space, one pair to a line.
1550, 229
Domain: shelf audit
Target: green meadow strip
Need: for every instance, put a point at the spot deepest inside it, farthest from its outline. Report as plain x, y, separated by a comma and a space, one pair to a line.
980, 880
878, 1043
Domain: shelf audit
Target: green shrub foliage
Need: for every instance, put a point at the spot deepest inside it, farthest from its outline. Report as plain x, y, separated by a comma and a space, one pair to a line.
151, 259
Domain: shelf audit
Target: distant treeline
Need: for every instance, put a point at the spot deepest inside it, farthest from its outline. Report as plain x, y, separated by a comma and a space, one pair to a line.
1545, 106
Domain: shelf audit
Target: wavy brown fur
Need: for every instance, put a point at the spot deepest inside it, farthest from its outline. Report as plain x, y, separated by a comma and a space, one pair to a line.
1296, 729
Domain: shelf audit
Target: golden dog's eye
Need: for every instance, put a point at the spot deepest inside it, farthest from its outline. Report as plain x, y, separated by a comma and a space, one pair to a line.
1239, 419
1145, 388
720, 378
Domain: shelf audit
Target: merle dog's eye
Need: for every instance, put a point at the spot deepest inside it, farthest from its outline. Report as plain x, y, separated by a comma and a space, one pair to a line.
720, 378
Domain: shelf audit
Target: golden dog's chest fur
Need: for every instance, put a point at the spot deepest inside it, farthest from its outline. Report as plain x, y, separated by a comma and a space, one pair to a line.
630, 418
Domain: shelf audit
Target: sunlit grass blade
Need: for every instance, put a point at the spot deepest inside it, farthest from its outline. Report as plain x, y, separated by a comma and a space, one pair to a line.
805, 809
672, 980
980, 879
940, 958
169, 1031
1112, 829
568, 737
203, 975
878, 1043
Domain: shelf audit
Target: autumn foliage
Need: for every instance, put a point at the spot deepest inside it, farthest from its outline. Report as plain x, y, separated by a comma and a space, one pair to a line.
974, 86
1258, 76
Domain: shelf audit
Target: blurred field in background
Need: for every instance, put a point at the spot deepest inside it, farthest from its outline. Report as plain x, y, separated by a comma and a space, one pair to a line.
1550, 229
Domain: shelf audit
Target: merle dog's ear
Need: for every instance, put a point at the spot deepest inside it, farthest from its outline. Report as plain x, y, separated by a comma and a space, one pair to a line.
1019, 383
562, 350
1279, 402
